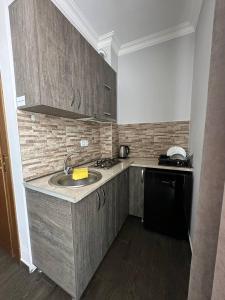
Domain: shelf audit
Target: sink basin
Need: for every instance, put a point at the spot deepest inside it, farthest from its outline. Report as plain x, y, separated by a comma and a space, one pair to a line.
62, 179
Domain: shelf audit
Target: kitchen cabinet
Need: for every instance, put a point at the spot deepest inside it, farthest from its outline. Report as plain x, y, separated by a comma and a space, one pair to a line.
55, 57
91, 79
56, 69
51, 236
87, 236
122, 199
136, 191
109, 105
69, 240
41, 40
94, 223
94, 232
108, 215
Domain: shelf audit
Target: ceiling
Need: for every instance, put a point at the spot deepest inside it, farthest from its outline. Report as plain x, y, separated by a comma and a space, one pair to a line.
134, 19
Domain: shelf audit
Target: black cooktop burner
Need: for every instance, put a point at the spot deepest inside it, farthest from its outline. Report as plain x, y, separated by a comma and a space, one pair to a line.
106, 163
165, 160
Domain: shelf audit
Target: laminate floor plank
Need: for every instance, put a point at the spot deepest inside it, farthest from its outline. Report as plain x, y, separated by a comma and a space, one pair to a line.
8, 269
22, 285
58, 294
140, 265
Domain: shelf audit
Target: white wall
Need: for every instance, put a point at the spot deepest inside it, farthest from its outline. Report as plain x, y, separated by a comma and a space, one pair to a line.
155, 84
203, 43
7, 73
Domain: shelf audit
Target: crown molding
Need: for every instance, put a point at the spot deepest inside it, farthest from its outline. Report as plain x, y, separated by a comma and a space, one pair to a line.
156, 38
105, 40
109, 39
73, 13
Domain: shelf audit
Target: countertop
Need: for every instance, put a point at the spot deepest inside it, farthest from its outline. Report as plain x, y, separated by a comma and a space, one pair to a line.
74, 195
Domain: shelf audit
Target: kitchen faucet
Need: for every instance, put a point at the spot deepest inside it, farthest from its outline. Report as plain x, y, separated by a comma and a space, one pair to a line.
66, 168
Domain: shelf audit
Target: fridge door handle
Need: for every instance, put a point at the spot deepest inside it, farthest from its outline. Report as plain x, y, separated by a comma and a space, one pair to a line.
171, 183
142, 176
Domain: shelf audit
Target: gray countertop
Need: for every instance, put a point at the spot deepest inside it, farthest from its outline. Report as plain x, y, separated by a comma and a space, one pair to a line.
74, 195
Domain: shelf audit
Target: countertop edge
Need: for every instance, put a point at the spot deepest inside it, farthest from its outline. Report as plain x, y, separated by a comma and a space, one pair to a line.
146, 165
132, 163
29, 186
48, 192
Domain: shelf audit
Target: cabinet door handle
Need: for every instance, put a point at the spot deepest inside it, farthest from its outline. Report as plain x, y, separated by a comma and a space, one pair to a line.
73, 101
79, 103
107, 114
142, 176
103, 192
99, 200
107, 87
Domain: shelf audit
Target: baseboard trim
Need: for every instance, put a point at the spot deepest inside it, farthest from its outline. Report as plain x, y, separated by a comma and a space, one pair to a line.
30, 267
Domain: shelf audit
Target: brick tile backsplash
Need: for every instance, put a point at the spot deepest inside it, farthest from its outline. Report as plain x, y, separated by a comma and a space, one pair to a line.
46, 140
152, 139
109, 137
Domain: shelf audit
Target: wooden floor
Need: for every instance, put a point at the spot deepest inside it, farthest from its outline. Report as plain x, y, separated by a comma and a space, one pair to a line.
139, 266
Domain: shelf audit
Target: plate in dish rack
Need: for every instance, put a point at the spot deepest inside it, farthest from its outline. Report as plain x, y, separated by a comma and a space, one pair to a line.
176, 152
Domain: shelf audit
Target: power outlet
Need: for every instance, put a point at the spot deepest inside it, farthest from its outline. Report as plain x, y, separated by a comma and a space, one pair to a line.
84, 143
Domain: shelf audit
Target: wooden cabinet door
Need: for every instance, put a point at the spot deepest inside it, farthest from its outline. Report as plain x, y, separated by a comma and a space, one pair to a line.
91, 79
25, 50
126, 195
51, 236
97, 78
136, 191
122, 199
55, 67
114, 95
87, 228
108, 215
78, 72
55, 37
109, 106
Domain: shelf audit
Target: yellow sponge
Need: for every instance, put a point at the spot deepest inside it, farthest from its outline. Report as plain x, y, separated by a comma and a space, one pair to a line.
80, 173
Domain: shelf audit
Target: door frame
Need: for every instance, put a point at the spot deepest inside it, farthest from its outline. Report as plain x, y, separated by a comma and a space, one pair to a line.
14, 250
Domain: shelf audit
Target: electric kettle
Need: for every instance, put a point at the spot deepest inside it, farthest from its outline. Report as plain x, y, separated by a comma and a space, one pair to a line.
124, 151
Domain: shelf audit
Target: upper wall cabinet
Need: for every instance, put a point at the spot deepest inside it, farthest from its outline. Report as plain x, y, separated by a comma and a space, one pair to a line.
56, 69
110, 92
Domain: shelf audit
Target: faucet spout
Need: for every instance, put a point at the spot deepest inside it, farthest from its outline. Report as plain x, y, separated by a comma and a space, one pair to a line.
67, 168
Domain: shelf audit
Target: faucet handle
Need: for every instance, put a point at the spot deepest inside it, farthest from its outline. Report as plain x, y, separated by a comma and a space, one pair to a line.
67, 170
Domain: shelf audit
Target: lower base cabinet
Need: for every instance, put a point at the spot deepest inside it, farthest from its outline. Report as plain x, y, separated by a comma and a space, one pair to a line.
108, 215
122, 199
136, 191
87, 240
70, 240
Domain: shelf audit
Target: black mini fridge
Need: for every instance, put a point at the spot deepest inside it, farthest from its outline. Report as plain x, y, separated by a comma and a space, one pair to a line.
167, 202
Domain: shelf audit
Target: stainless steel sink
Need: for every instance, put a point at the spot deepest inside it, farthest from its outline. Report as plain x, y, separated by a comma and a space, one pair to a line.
61, 179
